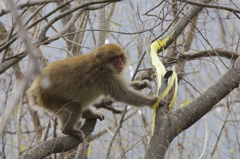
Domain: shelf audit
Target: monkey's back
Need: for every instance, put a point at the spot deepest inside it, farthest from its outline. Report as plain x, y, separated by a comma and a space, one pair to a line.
70, 80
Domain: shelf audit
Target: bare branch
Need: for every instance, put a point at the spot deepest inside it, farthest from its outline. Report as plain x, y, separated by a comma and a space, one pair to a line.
4, 66
168, 127
116, 132
57, 145
7, 43
101, 24
207, 53
195, 55
162, 136
210, 6
33, 67
182, 23
26, 4
84, 6
220, 132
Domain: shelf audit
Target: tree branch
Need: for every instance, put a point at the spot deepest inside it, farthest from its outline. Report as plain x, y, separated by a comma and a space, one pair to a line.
167, 127
26, 4
181, 24
57, 145
7, 42
195, 55
210, 6
7, 64
84, 6
207, 53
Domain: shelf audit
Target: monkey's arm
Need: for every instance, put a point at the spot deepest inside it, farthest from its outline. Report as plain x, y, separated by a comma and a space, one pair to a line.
119, 91
139, 85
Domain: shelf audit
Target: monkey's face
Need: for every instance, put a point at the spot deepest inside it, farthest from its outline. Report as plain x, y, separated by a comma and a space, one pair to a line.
111, 58
119, 64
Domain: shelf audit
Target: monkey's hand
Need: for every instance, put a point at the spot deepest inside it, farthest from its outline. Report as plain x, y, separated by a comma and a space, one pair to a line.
161, 103
154, 100
145, 83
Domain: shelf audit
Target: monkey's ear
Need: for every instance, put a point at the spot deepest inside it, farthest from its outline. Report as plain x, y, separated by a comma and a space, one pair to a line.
98, 56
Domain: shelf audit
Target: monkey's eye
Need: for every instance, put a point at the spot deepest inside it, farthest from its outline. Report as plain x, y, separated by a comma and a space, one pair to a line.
118, 57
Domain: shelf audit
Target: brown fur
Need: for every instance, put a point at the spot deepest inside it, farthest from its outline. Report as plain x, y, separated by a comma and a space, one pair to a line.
76, 82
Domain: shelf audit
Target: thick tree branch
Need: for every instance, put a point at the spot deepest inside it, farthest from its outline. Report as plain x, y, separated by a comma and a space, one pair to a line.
167, 127
57, 145
205, 102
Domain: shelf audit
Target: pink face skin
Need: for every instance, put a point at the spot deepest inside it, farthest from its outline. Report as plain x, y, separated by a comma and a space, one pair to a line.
119, 63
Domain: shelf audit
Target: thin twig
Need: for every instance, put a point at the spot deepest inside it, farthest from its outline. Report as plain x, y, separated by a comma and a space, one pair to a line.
210, 6
116, 132
31, 69
206, 138
6, 43
153, 8
220, 133
26, 4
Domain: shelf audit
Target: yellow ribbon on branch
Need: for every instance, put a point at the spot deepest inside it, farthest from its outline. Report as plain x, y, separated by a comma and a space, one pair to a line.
161, 71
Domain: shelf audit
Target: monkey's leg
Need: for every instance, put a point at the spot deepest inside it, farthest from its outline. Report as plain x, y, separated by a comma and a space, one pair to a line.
139, 85
91, 113
68, 118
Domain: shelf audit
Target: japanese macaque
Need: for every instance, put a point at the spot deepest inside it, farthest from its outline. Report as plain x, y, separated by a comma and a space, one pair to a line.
75, 83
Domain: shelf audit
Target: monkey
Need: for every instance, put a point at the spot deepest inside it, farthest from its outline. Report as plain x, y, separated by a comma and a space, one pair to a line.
75, 83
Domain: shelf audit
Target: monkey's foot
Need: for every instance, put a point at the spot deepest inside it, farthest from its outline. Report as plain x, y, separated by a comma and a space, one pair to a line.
99, 115
146, 83
76, 133
162, 103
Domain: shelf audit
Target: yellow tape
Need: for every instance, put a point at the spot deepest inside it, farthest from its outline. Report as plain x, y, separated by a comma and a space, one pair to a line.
90, 148
160, 70
185, 103
173, 80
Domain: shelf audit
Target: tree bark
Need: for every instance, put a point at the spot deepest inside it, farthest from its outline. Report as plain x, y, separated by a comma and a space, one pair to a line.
57, 145
101, 25
167, 127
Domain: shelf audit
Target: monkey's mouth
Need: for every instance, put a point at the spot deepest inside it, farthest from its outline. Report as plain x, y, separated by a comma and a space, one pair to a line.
119, 70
